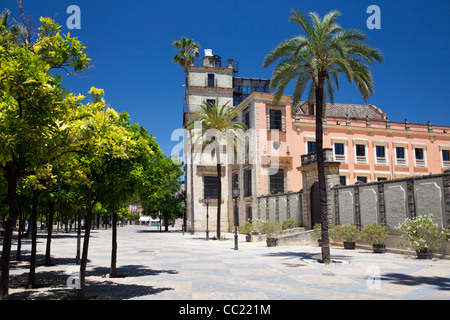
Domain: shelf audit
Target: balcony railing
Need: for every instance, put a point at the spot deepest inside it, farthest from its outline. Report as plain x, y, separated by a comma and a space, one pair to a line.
401, 162
312, 157
361, 159
420, 163
381, 160
446, 164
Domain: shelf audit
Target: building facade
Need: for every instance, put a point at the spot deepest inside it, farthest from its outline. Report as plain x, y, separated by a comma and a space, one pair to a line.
364, 144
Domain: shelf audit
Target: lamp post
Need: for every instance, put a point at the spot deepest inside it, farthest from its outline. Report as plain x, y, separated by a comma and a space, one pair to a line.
207, 201
183, 205
235, 194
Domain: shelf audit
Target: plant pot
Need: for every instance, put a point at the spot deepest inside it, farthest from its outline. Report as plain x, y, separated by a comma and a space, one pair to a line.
320, 242
424, 254
248, 238
272, 242
349, 245
379, 248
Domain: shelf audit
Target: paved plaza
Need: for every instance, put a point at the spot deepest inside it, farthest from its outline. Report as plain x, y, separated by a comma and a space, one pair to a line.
173, 266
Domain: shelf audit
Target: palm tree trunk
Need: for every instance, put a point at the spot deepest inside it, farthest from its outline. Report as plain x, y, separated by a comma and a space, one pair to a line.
321, 172
219, 185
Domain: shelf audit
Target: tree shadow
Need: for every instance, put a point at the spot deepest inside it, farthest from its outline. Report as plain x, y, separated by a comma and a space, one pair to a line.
409, 280
305, 255
52, 285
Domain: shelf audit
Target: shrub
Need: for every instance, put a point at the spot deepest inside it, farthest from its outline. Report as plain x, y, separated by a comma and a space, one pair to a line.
346, 233
423, 233
375, 234
290, 223
317, 232
270, 228
247, 228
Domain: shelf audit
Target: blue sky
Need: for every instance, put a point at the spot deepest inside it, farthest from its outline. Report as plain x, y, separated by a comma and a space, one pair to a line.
130, 44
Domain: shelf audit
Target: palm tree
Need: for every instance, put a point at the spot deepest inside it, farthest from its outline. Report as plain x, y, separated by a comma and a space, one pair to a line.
317, 59
219, 121
188, 52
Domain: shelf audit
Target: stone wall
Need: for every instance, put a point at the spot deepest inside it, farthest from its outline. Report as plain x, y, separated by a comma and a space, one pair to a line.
280, 207
387, 202
390, 202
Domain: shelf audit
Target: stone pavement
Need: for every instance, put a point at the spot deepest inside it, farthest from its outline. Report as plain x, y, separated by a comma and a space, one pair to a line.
173, 266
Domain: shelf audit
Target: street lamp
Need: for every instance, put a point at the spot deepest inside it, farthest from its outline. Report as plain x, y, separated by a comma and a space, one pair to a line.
183, 205
207, 201
236, 192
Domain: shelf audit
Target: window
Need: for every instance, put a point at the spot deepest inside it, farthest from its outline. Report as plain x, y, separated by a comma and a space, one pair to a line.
340, 153
381, 179
210, 188
247, 183
400, 156
211, 80
380, 152
210, 102
446, 158
419, 157
311, 146
419, 153
277, 182
343, 180
360, 150
246, 119
361, 179
276, 120
339, 149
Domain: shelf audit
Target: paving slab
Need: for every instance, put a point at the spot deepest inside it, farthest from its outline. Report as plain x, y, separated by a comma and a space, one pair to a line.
157, 265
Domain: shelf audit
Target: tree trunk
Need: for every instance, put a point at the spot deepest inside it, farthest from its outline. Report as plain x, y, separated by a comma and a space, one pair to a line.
113, 271
11, 177
84, 256
33, 225
321, 172
19, 237
87, 232
51, 214
219, 185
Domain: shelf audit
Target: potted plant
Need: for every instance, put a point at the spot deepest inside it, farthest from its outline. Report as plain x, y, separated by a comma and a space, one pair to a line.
424, 234
348, 234
271, 228
376, 235
247, 229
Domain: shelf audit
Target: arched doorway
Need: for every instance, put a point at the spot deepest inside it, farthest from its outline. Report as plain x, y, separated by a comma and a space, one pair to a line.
315, 204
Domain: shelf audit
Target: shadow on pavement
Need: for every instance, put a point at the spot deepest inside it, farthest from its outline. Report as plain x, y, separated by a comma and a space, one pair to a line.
52, 285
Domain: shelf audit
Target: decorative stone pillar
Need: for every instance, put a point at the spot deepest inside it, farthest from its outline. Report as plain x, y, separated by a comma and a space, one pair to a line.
309, 172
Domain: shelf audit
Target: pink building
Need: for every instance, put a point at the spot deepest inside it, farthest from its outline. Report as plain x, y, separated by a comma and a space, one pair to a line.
365, 146
368, 146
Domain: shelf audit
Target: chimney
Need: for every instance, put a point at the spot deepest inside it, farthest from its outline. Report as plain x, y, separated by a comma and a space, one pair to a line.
230, 63
208, 59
